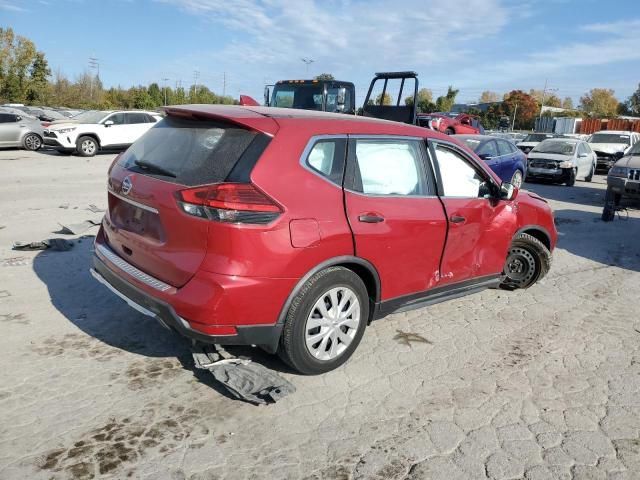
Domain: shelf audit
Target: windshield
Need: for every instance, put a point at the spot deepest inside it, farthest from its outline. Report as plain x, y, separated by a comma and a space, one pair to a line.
635, 150
609, 138
306, 97
90, 116
555, 146
536, 137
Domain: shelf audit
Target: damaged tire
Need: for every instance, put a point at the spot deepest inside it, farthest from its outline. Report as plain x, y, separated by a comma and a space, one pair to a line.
325, 322
528, 261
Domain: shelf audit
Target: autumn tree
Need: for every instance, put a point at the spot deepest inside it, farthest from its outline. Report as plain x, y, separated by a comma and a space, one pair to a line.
489, 97
523, 105
633, 103
567, 103
386, 101
424, 101
600, 102
445, 103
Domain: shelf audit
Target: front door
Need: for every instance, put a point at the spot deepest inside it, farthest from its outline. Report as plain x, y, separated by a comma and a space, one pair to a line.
397, 220
117, 133
480, 226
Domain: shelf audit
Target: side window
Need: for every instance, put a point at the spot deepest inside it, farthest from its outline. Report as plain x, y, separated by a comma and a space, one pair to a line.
586, 147
459, 177
389, 167
581, 149
136, 117
489, 149
503, 148
117, 118
326, 158
7, 118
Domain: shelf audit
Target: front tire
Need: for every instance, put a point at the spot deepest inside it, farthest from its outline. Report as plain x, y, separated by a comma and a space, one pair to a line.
32, 142
87, 146
325, 322
571, 177
589, 177
528, 261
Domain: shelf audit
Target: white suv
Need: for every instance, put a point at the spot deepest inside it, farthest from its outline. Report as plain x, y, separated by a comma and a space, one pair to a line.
610, 145
93, 130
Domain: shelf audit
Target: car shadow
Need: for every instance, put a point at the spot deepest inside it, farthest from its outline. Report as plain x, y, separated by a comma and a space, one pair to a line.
582, 193
583, 233
55, 153
99, 313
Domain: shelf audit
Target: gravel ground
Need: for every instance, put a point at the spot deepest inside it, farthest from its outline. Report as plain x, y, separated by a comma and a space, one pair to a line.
535, 384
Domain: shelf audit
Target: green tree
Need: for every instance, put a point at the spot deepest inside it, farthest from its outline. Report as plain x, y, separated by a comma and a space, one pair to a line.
324, 77
600, 102
633, 103
156, 94
425, 101
39, 88
445, 103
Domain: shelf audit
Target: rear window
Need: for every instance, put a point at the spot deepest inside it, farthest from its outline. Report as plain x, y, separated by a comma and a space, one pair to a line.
189, 152
610, 138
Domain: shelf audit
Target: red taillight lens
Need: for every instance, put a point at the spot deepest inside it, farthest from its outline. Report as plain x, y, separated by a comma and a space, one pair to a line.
229, 202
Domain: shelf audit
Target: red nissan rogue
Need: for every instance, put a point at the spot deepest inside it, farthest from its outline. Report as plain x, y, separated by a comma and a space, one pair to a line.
293, 230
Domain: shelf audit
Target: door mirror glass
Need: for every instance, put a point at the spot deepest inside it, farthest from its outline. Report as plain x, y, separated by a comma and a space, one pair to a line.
267, 94
108, 123
508, 191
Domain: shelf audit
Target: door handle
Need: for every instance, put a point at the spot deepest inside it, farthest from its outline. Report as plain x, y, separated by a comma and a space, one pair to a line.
370, 218
457, 219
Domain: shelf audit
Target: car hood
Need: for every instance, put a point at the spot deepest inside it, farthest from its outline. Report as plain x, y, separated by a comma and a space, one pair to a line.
549, 156
608, 147
61, 125
630, 161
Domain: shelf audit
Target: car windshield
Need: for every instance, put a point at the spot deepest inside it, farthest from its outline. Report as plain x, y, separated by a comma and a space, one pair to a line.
472, 143
635, 150
536, 137
610, 138
306, 97
555, 146
90, 116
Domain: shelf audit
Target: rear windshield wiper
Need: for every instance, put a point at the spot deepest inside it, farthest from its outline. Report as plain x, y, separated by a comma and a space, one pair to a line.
152, 168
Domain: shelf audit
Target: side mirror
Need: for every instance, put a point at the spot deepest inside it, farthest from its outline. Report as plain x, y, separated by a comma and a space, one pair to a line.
342, 95
108, 123
267, 95
508, 191
583, 155
618, 155
18, 118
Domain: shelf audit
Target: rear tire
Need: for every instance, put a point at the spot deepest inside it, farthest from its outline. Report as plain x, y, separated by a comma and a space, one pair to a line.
589, 177
528, 261
611, 202
325, 321
87, 146
571, 177
32, 142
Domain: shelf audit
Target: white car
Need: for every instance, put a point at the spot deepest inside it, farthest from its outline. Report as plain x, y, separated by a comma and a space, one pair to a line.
561, 160
610, 145
95, 130
533, 139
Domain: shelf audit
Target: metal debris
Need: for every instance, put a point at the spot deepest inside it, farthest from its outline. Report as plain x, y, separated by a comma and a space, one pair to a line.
58, 244
78, 228
94, 209
244, 379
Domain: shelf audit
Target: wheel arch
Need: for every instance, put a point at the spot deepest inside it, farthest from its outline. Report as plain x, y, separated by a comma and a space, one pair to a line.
89, 134
538, 232
361, 267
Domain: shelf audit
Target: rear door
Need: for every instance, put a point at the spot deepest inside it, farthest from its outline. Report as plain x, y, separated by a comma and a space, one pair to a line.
480, 227
146, 224
115, 133
9, 129
397, 220
138, 124
507, 160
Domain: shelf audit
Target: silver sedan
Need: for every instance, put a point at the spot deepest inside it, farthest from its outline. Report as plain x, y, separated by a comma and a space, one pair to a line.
19, 131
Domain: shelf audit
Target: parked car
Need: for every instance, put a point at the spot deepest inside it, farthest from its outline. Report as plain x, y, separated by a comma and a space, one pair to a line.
610, 145
17, 131
562, 160
204, 236
623, 181
533, 139
95, 130
501, 155
462, 123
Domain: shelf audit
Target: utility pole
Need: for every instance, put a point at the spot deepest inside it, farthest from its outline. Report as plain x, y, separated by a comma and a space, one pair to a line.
224, 84
165, 80
513, 124
196, 75
93, 65
307, 62
544, 92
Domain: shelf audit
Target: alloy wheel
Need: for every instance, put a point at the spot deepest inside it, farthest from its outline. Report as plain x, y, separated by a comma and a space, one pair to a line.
88, 147
32, 142
516, 180
332, 323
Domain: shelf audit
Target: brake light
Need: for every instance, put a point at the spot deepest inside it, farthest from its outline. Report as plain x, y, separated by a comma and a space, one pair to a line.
229, 203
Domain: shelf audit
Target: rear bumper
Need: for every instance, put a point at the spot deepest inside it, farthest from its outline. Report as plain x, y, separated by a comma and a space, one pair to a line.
266, 336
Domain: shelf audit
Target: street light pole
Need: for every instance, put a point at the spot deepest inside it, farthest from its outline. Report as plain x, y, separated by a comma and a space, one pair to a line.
165, 80
307, 62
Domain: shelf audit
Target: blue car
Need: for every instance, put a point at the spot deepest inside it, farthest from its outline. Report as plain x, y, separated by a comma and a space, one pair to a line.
501, 155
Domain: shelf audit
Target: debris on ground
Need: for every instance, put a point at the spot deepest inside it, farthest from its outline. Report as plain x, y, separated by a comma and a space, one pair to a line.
78, 228
58, 244
244, 379
92, 208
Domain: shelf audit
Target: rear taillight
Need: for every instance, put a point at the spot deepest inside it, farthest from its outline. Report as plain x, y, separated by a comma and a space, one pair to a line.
229, 203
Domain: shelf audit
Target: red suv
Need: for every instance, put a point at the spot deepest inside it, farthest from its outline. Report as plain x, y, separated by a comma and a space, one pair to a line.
293, 230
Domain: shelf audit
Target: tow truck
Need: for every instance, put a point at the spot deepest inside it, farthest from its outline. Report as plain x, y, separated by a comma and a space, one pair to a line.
322, 95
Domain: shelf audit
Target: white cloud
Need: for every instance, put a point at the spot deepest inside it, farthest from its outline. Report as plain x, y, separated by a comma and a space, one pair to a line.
10, 6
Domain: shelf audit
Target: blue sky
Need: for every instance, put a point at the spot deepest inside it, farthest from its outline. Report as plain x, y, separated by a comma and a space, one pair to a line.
474, 45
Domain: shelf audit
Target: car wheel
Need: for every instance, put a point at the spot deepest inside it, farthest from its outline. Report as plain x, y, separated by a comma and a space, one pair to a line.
450, 131
516, 179
589, 177
325, 322
32, 141
87, 146
571, 177
528, 261
611, 202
